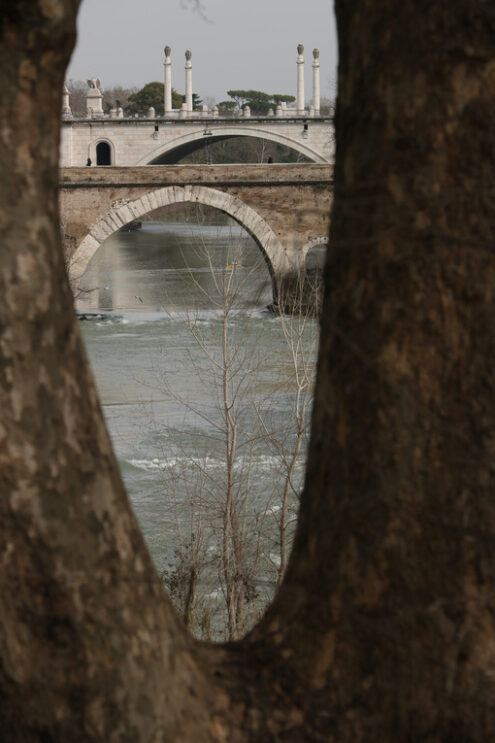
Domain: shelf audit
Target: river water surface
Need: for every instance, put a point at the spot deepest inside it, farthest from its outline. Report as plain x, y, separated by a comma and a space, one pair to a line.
174, 318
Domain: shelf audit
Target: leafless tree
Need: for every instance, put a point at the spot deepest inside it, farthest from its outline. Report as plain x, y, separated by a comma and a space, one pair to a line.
239, 532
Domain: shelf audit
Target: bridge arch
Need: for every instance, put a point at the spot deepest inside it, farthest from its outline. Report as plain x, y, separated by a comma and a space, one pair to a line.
319, 241
124, 211
185, 141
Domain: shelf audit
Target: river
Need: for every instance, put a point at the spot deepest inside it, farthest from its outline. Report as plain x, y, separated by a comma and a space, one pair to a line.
187, 358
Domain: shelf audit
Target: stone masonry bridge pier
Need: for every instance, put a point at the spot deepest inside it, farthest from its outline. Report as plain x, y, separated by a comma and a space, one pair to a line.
284, 207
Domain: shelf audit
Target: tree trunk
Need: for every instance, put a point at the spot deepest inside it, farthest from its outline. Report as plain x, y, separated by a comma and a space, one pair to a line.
88, 642
383, 629
394, 567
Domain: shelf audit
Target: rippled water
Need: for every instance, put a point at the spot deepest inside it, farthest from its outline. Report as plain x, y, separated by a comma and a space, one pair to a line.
155, 332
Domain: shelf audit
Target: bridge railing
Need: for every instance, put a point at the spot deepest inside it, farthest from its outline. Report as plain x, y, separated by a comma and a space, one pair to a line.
176, 116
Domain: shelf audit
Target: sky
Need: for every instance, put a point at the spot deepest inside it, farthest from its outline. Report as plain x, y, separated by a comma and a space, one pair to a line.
235, 44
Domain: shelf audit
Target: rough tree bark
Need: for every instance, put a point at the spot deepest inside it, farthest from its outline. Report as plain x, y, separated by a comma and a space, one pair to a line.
88, 644
384, 626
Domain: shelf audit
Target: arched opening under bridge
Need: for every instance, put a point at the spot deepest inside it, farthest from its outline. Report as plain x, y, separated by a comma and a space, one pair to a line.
218, 150
127, 213
180, 147
184, 257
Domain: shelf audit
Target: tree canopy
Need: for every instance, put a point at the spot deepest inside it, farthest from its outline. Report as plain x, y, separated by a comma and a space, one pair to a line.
152, 95
227, 106
196, 101
258, 101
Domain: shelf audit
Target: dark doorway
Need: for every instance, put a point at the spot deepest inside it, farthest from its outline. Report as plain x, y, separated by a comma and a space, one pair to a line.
103, 154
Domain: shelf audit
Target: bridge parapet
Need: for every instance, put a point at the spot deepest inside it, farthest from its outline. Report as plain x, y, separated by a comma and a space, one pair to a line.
274, 173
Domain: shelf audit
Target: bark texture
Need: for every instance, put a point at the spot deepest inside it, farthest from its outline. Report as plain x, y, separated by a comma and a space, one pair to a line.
84, 654
394, 566
383, 629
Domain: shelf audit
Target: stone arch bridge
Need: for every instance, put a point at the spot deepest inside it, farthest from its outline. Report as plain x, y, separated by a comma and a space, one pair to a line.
286, 208
131, 142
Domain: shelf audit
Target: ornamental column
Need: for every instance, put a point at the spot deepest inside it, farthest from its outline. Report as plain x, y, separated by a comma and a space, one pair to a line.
188, 68
66, 109
316, 81
168, 82
300, 80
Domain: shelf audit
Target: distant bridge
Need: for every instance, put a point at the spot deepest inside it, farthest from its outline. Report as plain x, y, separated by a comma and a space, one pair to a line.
131, 142
285, 207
